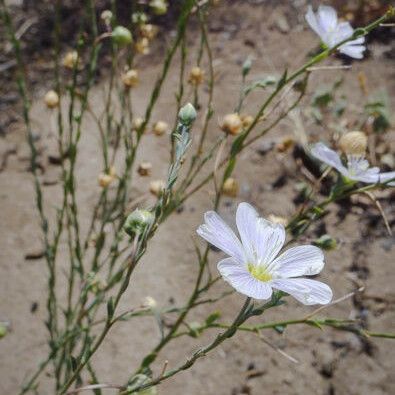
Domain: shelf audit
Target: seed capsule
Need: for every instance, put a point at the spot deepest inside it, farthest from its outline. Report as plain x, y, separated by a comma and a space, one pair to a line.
159, 7
196, 76
131, 78
354, 143
121, 35
246, 120
148, 31
156, 187
51, 99
232, 124
71, 60
144, 169
142, 46
160, 128
230, 187
105, 180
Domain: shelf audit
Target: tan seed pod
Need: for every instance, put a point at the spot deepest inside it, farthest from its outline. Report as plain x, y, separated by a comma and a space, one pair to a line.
51, 99
130, 78
71, 60
354, 143
156, 187
142, 46
137, 123
196, 76
160, 128
285, 144
231, 124
105, 180
230, 187
148, 31
144, 169
246, 120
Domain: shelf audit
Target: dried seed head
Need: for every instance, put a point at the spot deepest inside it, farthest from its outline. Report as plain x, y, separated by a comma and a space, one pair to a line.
156, 187
160, 128
150, 302
142, 46
148, 31
144, 169
196, 76
105, 180
130, 78
277, 219
354, 143
246, 120
51, 99
159, 7
232, 124
71, 60
106, 17
230, 187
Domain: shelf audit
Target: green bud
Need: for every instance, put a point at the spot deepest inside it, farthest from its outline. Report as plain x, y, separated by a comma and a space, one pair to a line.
326, 242
121, 35
246, 67
138, 221
3, 330
159, 7
187, 114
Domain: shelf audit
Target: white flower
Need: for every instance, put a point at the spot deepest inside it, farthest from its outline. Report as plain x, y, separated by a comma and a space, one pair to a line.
254, 268
357, 168
332, 32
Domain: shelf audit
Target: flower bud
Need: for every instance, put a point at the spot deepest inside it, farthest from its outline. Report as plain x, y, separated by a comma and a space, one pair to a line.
326, 242
187, 114
139, 18
138, 221
121, 35
230, 187
71, 60
196, 76
51, 99
246, 67
148, 31
144, 169
142, 46
131, 78
3, 330
160, 128
156, 187
231, 124
159, 7
354, 143
105, 180
137, 123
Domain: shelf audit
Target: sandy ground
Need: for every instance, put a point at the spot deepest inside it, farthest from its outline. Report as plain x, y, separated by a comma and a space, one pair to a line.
330, 362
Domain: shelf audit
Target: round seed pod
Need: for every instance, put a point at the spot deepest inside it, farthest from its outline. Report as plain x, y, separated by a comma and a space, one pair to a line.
196, 76
130, 78
144, 169
160, 128
51, 99
354, 143
156, 187
230, 187
232, 124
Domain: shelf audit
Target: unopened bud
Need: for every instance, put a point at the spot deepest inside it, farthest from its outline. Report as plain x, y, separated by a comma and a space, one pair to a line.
246, 67
144, 169
148, 31
354, 143
142, 46
196, 76
187, 114
138, 221
326, 242
3, 330
230, 187
156, 187
232, 124
121, 35
130, 78
71, 60
160, 128
159, 7
51, 99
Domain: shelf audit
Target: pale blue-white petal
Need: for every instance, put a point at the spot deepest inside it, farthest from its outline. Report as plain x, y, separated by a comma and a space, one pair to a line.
359, 170
304, 290
353, 51
385, 177
327, 18
311, 19
238, 276
328, 156
218, 233
305, 260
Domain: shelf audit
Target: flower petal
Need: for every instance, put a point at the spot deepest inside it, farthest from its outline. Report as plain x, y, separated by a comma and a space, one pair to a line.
327, 18
311, 19
353, 51
384, 177
298, 261
218, 233
239, 278
328, 156
304, 290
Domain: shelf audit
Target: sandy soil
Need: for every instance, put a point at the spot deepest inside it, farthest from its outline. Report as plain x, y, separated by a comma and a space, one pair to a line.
330, 362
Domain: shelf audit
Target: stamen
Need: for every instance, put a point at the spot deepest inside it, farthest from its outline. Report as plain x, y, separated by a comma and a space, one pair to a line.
259, 272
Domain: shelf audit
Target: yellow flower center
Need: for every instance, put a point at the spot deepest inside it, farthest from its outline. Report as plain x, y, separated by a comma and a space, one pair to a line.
259, 272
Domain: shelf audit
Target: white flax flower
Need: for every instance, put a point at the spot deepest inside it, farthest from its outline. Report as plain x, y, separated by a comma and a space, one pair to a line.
357, 167
333, 32
254, 267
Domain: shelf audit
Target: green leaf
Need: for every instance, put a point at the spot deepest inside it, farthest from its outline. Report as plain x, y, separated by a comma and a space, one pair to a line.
212, 318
